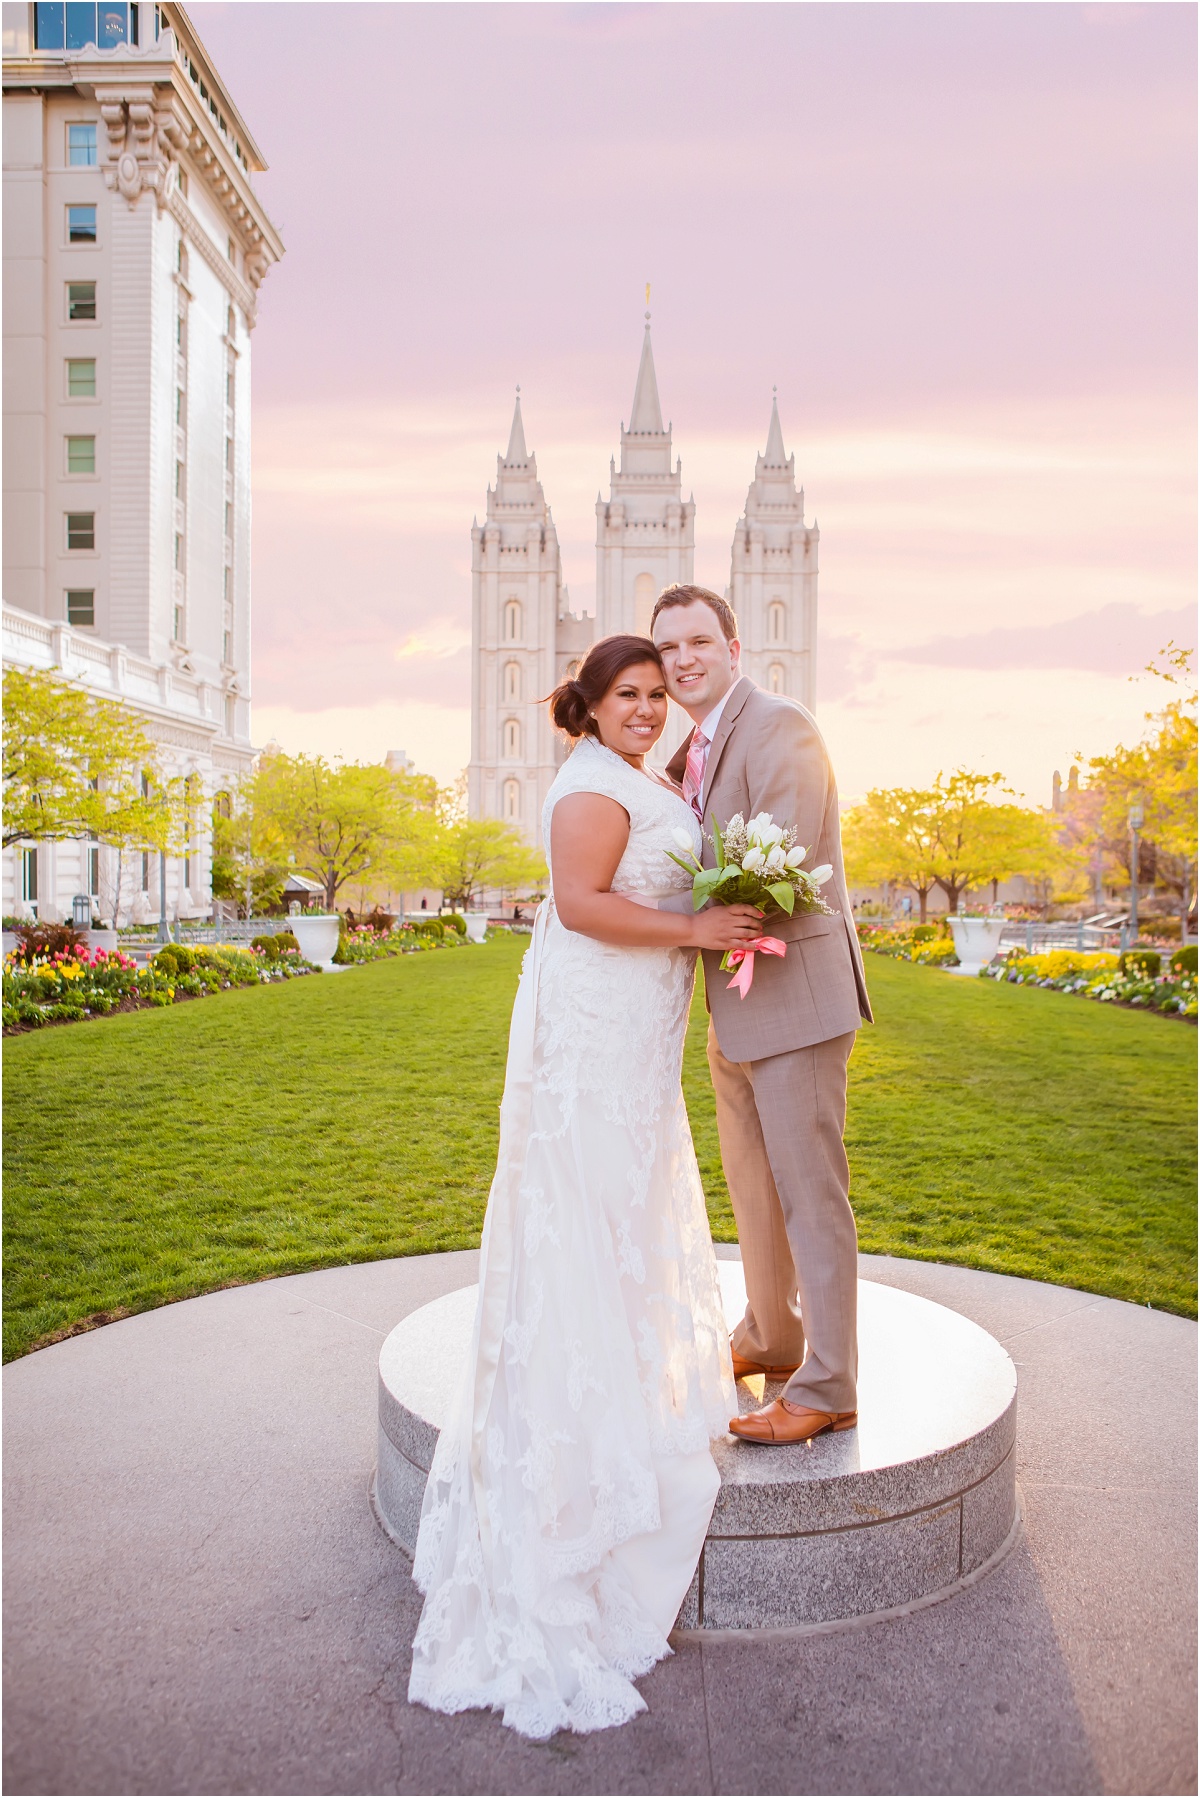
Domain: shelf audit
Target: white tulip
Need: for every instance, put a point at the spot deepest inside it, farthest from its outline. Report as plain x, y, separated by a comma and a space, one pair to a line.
758, 826
775, 860
753, 860
820, 875
795, 855
683, 840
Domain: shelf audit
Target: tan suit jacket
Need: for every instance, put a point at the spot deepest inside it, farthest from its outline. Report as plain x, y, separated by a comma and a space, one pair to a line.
768, 756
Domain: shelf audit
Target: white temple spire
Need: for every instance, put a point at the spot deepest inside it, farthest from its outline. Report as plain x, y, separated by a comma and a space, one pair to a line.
647, 413
775, 456
517, 453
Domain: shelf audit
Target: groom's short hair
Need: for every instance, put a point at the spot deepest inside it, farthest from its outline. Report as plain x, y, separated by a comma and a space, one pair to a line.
686, 595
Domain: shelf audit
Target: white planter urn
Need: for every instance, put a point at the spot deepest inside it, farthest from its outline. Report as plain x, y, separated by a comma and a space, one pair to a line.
317, 937
108, 940
976, 942
476, 927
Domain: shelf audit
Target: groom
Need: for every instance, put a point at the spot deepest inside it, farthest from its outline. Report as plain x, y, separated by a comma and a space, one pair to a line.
778, 1057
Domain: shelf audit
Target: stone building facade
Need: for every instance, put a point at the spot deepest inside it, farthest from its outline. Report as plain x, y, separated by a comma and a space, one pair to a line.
645, 541
134, 247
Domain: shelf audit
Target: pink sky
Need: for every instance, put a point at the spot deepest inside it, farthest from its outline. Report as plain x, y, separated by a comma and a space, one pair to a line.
961, 239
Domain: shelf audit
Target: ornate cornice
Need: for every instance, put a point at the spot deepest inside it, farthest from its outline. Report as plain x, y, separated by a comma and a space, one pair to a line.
220, 265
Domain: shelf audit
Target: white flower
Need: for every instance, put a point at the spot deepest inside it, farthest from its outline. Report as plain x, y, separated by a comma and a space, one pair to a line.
775, 860
795, 855
760, 828
683, 840
820, 875
753, 860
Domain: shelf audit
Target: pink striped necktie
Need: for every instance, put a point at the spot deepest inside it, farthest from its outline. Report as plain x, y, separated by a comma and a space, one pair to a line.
693, 773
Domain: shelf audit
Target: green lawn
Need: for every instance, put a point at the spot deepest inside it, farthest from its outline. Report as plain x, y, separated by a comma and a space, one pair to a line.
160, 1154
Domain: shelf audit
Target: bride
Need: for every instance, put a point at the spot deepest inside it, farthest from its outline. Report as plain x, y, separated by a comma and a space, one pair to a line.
573, 1483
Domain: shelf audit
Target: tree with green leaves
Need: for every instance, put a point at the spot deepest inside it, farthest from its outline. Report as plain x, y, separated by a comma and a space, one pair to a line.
77, 765
888, 840
473, 854
955, 834
1160, 774
338, 821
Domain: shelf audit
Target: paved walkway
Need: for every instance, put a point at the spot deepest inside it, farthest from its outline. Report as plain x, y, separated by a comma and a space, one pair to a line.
198, 1599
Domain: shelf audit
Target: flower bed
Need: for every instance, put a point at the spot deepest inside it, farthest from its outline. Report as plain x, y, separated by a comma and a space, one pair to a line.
360, 943
73, 984
1129, 979
920, 943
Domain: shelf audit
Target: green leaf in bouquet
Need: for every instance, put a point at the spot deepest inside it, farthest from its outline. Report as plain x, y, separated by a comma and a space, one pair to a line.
729, 872
688, 867
718, 842
702, 886
783, 894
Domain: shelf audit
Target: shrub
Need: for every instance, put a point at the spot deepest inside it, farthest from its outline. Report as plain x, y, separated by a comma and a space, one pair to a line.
286, 941
1184, 960
924, 933
268, 945
1147, 962
430, 927
456, 922
174, 958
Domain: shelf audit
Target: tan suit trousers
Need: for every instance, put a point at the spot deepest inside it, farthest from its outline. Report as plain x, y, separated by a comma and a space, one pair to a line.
781, 1121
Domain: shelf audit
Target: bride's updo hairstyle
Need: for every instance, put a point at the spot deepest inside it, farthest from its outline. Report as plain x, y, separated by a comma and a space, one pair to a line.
600, 669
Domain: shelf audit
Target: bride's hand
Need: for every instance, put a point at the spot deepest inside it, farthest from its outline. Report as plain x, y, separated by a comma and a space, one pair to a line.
726, 926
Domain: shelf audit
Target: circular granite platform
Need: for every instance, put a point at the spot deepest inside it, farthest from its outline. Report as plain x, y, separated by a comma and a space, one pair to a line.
918, 1499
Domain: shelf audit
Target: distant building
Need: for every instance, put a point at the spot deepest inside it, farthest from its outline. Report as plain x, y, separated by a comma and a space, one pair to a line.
525, 638
134, 248
773, 585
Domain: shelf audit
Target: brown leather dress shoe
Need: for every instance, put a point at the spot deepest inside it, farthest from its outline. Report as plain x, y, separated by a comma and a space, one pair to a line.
783, 1421
743, 1369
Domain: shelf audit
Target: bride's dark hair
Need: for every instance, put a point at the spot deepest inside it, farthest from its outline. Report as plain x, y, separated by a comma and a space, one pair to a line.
600, 669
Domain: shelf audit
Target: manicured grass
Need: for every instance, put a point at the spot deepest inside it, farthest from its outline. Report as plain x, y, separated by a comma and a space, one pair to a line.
166, 1153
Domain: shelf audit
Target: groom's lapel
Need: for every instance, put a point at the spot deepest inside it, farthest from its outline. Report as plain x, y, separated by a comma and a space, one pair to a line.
733, 705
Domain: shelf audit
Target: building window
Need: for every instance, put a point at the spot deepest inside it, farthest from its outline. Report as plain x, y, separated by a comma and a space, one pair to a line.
81, 455
81, 144
81, 378
230, 714
229, 387
81, 606
81, 530
177, 623
179, 480
776, 622
643, 604
81, 300
146, 872
228, 519
775, 678
227, 648
226, 582
81, 224
512, 739
512, 801
179, 405
93, 870
512, 621
512, 681
81, 22
178, 550
29, 879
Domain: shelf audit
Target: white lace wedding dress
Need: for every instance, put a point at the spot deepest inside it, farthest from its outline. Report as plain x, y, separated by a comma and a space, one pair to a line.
573, 1482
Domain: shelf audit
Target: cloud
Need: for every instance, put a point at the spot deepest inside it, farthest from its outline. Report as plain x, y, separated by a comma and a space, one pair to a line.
1115, 639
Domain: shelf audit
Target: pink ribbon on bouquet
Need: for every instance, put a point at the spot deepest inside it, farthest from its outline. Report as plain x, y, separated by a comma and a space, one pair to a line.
743, 960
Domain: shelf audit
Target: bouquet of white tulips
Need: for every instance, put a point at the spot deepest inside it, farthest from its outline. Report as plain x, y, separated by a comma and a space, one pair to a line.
760, 864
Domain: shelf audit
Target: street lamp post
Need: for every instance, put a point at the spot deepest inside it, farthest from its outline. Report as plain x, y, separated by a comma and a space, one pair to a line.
164, 935
1137, 817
